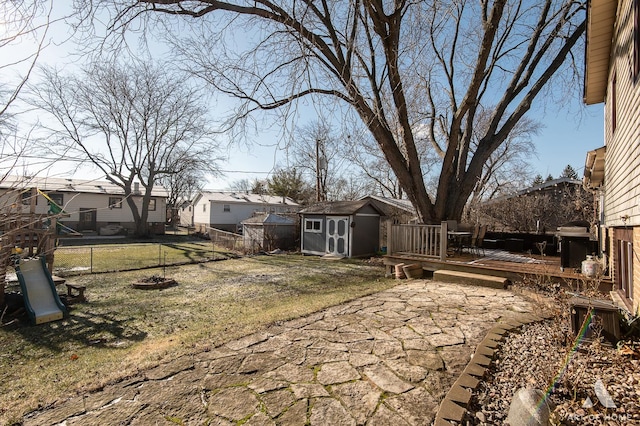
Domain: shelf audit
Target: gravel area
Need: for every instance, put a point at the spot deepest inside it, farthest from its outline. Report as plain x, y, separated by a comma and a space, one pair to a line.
545, 356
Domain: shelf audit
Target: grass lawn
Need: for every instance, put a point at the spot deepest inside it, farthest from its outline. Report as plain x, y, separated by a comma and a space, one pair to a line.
122, 330
118, 257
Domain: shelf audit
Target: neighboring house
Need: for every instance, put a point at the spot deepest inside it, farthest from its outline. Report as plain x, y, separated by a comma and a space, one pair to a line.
89, 204
185, 213
612, 76
227, 210
269, 231
341, 228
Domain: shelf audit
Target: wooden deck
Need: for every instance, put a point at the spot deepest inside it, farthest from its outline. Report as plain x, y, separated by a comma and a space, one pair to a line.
514, 266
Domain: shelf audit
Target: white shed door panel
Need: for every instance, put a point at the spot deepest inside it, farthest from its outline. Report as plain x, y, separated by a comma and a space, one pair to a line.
338, 235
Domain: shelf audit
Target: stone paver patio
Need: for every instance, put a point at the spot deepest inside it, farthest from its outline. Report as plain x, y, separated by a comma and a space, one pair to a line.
384, 359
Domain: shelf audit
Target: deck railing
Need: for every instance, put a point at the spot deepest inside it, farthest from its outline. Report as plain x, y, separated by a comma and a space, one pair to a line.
424, 240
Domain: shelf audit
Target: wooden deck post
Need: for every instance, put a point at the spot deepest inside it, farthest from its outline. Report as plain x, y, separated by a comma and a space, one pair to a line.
389, 237
443, 241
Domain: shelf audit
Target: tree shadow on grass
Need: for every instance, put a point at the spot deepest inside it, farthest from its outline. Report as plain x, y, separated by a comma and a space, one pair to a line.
80, 329
197, 254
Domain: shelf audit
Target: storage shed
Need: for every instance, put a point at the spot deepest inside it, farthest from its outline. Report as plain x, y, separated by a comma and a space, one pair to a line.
341, 228
266, 232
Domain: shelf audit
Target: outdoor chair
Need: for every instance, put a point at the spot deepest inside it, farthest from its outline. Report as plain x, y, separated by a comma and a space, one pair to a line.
470, 243
478, 243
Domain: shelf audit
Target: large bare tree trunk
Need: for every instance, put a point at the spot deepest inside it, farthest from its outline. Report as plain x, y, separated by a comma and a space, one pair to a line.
411, 70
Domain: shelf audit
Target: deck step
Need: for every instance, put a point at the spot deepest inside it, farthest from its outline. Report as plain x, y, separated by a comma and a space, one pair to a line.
458, 277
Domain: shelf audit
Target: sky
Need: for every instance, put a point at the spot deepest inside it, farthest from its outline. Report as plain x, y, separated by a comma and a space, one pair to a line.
567, 138
564, 140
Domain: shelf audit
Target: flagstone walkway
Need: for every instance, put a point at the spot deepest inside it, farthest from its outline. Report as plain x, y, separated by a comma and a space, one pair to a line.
384, 359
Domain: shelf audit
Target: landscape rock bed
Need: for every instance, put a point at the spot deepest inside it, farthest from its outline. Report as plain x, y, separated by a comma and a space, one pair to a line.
541, 355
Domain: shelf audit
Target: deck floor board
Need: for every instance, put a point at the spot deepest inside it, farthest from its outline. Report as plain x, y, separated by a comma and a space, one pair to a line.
497, 262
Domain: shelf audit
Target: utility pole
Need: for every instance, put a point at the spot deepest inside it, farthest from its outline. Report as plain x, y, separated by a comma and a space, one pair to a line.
318, 196
321, 172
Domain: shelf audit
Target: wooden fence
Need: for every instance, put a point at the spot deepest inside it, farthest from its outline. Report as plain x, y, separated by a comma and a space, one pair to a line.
424, 240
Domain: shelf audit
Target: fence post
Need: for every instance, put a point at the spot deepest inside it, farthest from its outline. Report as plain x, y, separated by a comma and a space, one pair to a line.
160, 254
91, 260
389, 237
443, 241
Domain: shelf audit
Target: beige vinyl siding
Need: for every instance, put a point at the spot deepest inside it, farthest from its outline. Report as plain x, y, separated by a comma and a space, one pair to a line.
622, 165
73, 202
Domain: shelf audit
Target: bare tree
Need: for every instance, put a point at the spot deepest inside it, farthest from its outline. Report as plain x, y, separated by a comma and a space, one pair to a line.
350, 188
24, 29
241, 185
181, 187
259, 186
387, 61
135, 123
507, 169
23, 23
319, 150
376, 169
539, 209
255, 186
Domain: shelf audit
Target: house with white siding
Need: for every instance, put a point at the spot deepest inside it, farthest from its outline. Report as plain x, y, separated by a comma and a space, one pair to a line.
89, 204
227, 210
612, 77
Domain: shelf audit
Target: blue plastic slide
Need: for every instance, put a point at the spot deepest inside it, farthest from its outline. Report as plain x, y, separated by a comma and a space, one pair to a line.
39, 292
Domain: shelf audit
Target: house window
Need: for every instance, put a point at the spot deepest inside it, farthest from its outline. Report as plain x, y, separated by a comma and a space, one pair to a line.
115, 202
204, 207
226, 208
26, 198
313, 225
152, 205
57, 198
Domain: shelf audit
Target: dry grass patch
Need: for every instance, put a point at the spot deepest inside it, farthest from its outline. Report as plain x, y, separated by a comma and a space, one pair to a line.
122, 330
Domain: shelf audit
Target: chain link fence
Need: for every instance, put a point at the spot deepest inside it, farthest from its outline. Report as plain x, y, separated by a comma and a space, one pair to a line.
112, 258
225, 239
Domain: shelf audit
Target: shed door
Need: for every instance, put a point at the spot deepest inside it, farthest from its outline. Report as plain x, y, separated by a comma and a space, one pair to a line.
338, 235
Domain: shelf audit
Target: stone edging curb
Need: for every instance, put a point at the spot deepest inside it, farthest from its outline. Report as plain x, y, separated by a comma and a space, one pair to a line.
453, 406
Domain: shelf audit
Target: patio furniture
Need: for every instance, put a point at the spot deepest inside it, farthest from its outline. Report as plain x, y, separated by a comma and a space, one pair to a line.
478, 244
515, 245
470, 243
459, 240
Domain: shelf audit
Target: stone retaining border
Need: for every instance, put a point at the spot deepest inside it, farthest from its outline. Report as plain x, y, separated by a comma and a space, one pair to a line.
454, 405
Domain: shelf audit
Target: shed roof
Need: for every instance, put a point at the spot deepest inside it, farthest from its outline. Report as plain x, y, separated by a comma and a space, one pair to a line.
392, 202
48, 184
340, 207
268, 218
